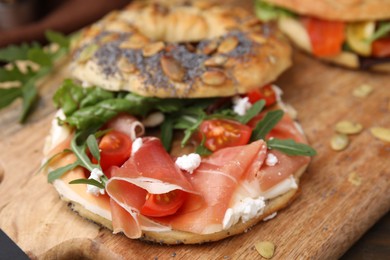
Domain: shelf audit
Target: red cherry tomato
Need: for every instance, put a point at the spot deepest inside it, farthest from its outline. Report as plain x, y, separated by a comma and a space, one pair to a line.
381, 47
266, 93
161, 205
221, 133
115, 149
326, 37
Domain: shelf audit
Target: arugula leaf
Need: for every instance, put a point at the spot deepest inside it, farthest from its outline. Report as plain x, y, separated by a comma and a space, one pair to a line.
93, 147
382, 31
252, 112
30, 95
8, 95
58, 38
14, 52
57, 173
14, 74
79, 151
267, 12
264, 126
201, 149
290, 147
167, 133
35, 53
88, 181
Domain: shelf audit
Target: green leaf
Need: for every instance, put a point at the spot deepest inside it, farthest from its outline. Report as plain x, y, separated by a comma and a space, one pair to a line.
264, 126
14, 52
252, 112
30, 95
201, 149
382, 31
88, 181
93, 147
48, 161
59, 38
79, 151
57, 173
8, 95
267, 12
14, 74
167, 133
290, 147
40, 57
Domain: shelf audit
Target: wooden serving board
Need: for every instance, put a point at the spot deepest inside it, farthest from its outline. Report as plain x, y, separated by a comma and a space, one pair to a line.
330, 214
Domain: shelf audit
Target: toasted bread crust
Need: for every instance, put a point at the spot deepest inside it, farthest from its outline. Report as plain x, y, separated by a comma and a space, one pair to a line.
213, 51
344, 10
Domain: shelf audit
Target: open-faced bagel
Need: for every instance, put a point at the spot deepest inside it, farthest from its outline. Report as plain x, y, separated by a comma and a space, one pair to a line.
165, 50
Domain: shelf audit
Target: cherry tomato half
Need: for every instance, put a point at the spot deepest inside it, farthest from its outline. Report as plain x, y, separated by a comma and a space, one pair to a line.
161, 205
266, 93
221, 133
381, 47
326, 37
115, 149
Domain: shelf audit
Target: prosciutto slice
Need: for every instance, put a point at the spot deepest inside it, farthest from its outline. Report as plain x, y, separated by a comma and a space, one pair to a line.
217, 178
149, 169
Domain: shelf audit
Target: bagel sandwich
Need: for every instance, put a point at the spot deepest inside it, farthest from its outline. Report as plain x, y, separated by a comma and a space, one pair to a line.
353, 34
176, 159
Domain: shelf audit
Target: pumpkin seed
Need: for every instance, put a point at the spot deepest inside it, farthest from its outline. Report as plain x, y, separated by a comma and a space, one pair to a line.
152, 48
355, 179
381, 133
228, 44
339, 142
213, 77
265, 248
87, 53
348, 127
362, 91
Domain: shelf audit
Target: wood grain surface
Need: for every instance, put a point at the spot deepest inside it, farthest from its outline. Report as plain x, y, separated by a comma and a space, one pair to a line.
330, 214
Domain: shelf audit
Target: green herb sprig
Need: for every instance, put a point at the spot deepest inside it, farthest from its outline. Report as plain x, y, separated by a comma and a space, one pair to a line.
34, 52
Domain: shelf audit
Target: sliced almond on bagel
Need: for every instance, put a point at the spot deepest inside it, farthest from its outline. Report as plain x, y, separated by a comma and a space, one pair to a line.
214, 77
152, 48
172, 68
228, 44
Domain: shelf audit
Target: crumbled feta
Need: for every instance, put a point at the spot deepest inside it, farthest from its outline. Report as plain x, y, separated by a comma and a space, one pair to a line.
241, 105
85, 84
270, 216
271, 160
136, 145
245, 210
188, 162
95, 175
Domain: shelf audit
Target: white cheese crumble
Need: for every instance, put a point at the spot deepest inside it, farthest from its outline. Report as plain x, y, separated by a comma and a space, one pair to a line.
271, 160
188, 162
241, 105
245, 210
95, 175
270, 216
136, 145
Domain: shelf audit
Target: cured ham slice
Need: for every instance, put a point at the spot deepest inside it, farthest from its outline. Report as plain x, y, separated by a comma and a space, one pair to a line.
150, 169
217, 178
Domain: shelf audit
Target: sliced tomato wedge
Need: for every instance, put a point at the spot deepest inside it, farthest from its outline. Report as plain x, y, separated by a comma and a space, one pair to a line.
266, 93
115, 149
381, 47
161, 205
326, 37
221, 133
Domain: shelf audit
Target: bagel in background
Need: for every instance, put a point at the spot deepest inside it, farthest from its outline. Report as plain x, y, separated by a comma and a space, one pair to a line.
353, 34
192, 50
